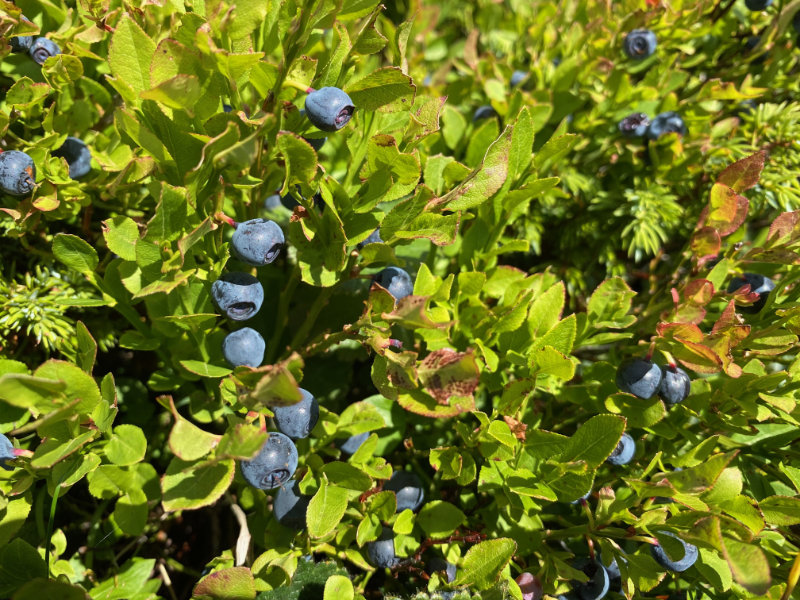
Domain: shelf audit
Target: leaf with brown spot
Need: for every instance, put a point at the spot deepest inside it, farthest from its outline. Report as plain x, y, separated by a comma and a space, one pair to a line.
445, 373
744, 173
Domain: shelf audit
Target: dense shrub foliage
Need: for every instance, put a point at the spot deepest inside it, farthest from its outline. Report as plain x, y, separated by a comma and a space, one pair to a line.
326, 298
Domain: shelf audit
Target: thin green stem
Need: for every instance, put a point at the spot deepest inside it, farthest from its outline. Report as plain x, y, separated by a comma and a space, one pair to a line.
311, 318
280, 315
51, 522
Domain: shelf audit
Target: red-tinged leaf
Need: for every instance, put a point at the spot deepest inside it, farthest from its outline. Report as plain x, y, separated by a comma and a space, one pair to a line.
690, 313
706, 243
697, 357
681, 331
420, 403
786, 225
699, 291
233, 583
780, 256
401, 369
412, 312
728, 320
727, 210
446, 373
744, 173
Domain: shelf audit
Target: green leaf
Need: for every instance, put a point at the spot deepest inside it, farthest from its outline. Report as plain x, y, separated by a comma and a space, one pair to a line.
782, 511
554, 149
485, 180
233, 583
87, 348
243, 441
338, 587
521, 143
638, 412
325, 510
204, 369
80, 386
748, 564
127, 445
188, 442
53, 450
594, 441
189, 485
439, 519
609, 305
130, 512
75, 253
36, 589
300, 158
386, 89
19, 562
549, 361
130, 54
484, 562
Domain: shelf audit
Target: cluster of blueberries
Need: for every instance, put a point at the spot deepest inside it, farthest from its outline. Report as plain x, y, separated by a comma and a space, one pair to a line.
17, 169
38, 48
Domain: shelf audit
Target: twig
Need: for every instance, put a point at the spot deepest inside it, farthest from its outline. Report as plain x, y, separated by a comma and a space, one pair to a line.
243, 541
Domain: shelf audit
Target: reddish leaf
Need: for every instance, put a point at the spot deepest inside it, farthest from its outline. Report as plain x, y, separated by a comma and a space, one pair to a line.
446, 373
744, 173
697, 357
690, 313
682, 331
785, 225
706, 243
419, 402
727, 210
699, 291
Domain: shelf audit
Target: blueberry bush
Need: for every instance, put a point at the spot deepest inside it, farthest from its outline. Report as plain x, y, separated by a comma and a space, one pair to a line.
532, 263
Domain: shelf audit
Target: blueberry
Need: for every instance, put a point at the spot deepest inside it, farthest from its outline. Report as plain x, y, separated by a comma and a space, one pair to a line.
634, 125
6, 452
289, 506
530, 586
22, 43
517, 77
374, 238
380, 553
598, 584
227, 108
484, 112
17, 173
689, 555
640, 43
666, 122
675, 385
297, 420
407, 488
238, 295
624, 451
41, 49
244, 347
584, 497
353, 443
257, 241
396, 281
329, 108
614, 576
438, 565
759, 284
316, 143
755, 5
274, 464
273, 201
77, 155
638, 376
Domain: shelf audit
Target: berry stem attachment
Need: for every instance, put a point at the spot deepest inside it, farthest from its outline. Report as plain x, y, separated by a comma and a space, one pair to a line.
300, 86
223, 218
651, 351
670, 360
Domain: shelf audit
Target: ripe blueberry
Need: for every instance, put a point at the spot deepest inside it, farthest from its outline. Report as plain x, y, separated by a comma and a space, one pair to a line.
273, 201
274, 464
484, 112
640, 43
624, 451
517, 77
297, 420
289, 506
396, 281
374, 238
244, 347
666, 122
530, 586
759, 284
438, 564
22, 43
638, 376
407, 488
634, 125
257, 241
598, 584
329, 108
755, 5
77, 155
238, 295
17, 173
675, 385
380, 553
6, 452
689, 555
41, 49
353, 443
